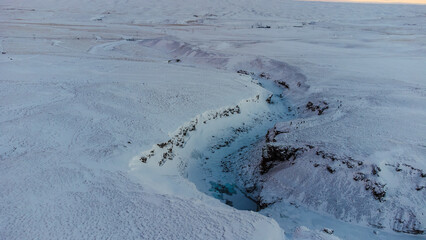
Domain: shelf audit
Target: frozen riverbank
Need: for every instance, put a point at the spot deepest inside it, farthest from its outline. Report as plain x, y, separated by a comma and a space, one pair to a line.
87, 86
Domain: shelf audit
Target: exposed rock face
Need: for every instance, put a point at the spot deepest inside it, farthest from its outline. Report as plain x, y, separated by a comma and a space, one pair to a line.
328, 230
273, 155
348, 186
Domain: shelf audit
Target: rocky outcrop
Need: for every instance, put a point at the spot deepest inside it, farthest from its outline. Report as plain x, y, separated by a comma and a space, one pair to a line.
319, 107
182, 134
273, 155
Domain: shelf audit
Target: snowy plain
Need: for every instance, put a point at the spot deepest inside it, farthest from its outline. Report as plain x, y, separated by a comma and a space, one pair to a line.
90, 88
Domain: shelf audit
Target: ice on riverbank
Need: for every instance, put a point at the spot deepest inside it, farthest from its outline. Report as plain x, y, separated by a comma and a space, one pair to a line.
87, 87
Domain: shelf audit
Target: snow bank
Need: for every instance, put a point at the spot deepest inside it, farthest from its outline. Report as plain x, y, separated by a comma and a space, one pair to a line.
87, 86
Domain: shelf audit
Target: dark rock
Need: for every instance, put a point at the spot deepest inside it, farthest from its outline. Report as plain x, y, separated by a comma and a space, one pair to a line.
359, 176
272, 155
375, 169
321, 107
251, 189
350, 165
243, 72
284, 84
174, 60
261, 26
330, 169
265, 75
377, 189
269, 99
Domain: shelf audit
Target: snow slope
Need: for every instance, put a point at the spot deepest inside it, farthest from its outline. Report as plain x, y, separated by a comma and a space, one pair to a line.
89, 88
73, 118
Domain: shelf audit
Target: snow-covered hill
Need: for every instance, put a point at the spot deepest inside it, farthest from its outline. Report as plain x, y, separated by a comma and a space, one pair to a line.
107, 107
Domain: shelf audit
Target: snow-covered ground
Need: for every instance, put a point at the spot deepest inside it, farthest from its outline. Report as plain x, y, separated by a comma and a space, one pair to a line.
119, 118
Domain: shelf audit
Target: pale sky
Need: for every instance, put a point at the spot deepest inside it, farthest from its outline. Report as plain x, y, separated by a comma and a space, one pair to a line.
376, 1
